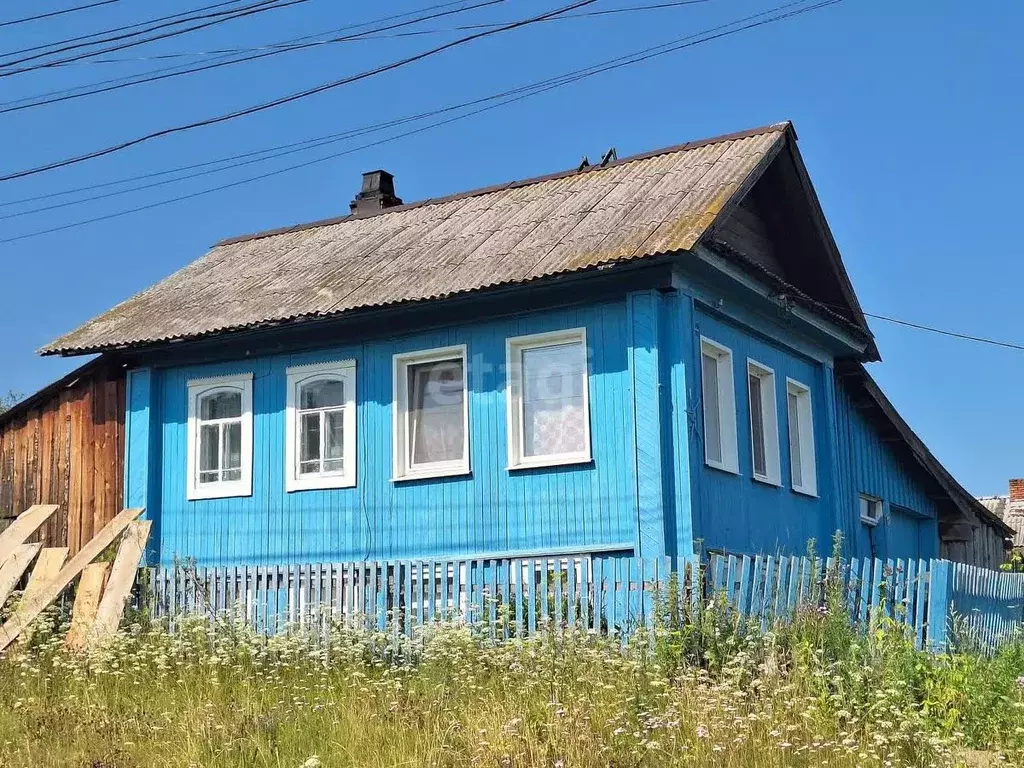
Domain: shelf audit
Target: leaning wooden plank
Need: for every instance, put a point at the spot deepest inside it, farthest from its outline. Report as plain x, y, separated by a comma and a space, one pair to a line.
24, 525
119, 585
27, 612
87, 602
48, 565
14, 567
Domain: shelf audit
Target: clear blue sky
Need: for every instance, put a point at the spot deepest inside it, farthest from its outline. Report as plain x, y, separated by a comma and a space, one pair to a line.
908, 115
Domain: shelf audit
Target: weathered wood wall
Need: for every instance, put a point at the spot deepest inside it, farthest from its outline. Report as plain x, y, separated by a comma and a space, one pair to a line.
982, 546
65, 446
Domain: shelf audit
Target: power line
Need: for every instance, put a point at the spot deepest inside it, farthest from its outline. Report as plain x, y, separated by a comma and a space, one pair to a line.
120, 29
516, 94
943, 332
208, 20
462, 28
51, 14
178, 67
292, 97
118, 84
563, 79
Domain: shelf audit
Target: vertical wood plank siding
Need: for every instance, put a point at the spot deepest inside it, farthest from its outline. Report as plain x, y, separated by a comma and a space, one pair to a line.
579, 507
910, 525
735, 512
67, 449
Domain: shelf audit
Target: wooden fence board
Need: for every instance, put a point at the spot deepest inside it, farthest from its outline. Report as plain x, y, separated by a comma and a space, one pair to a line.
14, 567
48, 565
606, 594
27, 612
24, 525
120, 581
87, 601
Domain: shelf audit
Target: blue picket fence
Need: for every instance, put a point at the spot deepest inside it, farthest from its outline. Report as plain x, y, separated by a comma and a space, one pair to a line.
939, 602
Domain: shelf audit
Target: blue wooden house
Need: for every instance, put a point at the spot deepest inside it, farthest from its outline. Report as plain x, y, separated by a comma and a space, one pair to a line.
648, 356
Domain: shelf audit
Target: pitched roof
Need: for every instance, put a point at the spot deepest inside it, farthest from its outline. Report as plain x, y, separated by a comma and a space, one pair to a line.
637, 207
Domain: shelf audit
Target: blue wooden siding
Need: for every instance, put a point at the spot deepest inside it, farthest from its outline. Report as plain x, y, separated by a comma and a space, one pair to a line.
873, 468
648, 491
735, 512
494, 511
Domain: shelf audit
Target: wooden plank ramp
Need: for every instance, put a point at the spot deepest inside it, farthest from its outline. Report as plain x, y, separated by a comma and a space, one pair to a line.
119, 584
87, 603
13, 568
24, 525
28, 611
48, 565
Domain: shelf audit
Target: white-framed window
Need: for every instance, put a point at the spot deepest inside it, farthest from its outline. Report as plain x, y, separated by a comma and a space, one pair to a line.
719, 398
548, 399
803, 471
320, 432
870, 509
766, 463
430, 414
219, 453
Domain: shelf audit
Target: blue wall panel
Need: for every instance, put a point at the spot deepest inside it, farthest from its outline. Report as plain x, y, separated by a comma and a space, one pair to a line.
875, 469
492, 511
735, 512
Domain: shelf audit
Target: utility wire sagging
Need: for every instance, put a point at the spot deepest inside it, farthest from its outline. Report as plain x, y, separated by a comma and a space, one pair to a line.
483, 104
292, 97
226, 60
207, 20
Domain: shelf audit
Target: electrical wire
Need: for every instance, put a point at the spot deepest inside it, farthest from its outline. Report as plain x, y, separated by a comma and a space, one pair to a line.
120, 29
563, 79
289, 98
208, 20
23, 104
462, 28
514, 95
944, 332
51, 14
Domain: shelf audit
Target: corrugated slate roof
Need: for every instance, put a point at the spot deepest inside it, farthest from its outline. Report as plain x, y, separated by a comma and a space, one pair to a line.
651, 204
1011, 513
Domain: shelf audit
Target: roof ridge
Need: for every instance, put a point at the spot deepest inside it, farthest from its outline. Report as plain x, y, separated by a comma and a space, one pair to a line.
514, 184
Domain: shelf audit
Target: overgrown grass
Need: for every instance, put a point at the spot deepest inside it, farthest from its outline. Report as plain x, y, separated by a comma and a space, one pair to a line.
708, 691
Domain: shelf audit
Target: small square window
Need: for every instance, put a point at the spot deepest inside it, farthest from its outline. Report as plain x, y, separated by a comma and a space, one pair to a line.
431, 414
870, 510
320, 451
219, 450
801, 438
548, 399
720, 449
764, 425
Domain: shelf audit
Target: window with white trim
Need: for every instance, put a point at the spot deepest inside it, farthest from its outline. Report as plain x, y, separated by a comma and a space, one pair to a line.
764, 424
548, 399
719, 399
320, 451
801, 438
219, 460
431, 414
870, 509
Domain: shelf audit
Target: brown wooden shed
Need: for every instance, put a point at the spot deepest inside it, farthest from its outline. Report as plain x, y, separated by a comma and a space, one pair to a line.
64, 445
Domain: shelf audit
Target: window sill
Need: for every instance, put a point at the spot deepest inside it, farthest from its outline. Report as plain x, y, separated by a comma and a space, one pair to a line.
869, 521
722, 467
320, 484
220, 492
806, 492
555, 461
432, 474
767, 481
